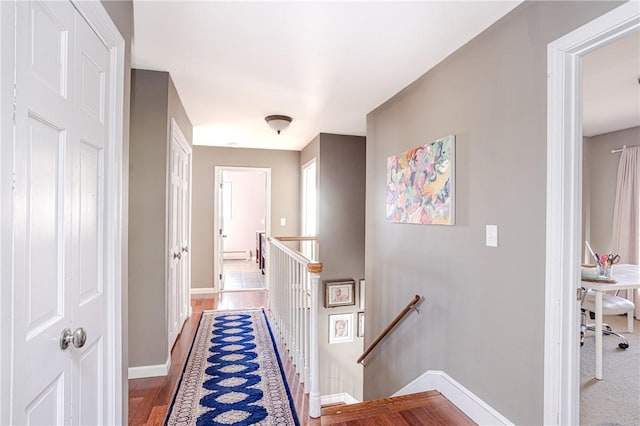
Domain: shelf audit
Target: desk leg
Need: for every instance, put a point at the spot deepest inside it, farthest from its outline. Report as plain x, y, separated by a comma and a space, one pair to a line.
598, 332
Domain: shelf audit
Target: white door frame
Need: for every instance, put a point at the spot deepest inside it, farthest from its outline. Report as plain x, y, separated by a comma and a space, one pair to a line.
564, 206
115, 281
218, 213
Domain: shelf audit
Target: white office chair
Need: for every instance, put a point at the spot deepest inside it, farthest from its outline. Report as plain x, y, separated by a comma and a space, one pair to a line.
611, 305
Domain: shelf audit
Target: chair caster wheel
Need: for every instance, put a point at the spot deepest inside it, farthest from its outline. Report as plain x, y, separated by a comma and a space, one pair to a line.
623, 345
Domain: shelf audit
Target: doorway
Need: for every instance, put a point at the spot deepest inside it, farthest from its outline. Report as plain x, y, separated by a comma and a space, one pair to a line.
242, 227
564, 207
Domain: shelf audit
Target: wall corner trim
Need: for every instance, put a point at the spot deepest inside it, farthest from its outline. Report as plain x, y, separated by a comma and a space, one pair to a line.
150, 370
478, 410
203, 290
336, 398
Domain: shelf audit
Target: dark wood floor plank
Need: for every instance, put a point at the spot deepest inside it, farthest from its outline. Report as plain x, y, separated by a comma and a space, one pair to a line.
427, 408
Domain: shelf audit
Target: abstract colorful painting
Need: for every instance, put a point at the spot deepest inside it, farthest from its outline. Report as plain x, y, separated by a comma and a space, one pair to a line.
420, 184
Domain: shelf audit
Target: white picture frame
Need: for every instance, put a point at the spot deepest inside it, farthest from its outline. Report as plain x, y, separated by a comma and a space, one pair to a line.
360, 324
361, 292
340, 328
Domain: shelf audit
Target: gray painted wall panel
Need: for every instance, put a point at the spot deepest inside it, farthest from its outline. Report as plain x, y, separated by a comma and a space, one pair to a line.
154, 101
147, 199
482, 319
341, 171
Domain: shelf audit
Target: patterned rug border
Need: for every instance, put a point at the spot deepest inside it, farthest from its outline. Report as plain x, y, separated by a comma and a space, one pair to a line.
275, 349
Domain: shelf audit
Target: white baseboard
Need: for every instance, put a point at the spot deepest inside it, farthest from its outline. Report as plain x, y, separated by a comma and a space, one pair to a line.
336, 398
237, 255
150, 370
202, 290
477, 410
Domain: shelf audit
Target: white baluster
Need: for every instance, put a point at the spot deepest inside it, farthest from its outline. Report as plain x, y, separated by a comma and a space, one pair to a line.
314, 393
305, 312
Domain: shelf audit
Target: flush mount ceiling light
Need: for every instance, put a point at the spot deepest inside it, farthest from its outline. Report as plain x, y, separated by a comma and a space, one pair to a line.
278, 122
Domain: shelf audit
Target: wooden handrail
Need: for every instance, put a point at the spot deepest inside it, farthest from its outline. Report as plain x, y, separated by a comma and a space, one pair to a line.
296, 238
390, 327
312, 266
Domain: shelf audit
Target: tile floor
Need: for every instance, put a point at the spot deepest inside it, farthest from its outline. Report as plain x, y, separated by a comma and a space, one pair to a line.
242, 275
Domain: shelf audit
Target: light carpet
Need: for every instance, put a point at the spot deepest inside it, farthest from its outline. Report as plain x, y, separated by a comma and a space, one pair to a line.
233, 375
615, 400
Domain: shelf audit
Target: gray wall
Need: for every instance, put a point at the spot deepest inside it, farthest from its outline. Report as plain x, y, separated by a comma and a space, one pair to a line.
341, 184
153, 101
601, 171
121, 13
482, 319
176, 110
285, 200
341, 191
147, 218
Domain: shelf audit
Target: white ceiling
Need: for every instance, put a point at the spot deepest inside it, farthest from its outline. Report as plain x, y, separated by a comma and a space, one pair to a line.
326, 64
611, 91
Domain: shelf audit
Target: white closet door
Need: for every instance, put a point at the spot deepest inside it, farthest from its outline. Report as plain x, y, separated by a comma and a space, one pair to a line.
175, 250
58, 217
179, 229
89, 224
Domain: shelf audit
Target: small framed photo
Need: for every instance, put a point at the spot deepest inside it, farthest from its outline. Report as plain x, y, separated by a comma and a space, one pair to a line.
340, 328
360, 324
339, 293
361, 288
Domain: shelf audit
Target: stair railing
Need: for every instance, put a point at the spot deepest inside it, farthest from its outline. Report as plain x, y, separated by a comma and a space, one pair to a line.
410, 306
294, 305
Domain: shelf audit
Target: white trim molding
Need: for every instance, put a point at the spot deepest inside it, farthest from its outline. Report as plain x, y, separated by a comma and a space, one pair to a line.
564, 206
338, 398
474, 407
150, 370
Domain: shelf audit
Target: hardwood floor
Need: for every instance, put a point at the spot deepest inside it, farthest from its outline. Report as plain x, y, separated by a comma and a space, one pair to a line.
426, 408
149, 399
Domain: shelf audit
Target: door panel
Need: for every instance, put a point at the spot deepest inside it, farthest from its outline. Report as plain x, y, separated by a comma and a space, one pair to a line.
178, 285
42, 257
90, 232
173, 292
49, 44
47, 407
91, 59
91, 363
43, 239
58, 216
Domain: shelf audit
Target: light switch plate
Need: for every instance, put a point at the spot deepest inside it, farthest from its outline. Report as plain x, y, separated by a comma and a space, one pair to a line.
283, 221
492, 236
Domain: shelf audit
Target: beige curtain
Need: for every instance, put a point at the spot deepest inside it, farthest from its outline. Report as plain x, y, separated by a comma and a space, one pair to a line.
626, 212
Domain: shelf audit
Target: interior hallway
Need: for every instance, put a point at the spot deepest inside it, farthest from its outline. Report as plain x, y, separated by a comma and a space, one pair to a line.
150, 398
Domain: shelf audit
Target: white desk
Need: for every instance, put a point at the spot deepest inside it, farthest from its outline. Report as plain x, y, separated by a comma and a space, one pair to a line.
627, 277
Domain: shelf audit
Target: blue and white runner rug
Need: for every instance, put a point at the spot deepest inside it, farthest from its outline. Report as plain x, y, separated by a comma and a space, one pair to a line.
233, 375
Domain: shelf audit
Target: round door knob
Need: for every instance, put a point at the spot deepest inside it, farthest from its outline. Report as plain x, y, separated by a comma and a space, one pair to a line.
78, 338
